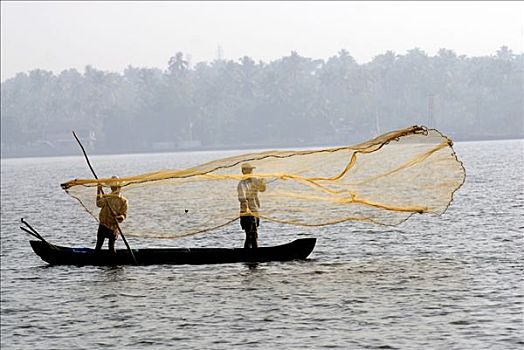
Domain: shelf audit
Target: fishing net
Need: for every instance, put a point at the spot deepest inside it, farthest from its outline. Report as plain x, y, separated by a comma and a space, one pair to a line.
383, 181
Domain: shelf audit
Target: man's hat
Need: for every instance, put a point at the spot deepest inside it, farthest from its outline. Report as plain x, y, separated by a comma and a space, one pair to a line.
247, 166
117, 183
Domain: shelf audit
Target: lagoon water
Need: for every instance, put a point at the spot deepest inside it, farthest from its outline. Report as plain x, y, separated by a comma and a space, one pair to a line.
448, 282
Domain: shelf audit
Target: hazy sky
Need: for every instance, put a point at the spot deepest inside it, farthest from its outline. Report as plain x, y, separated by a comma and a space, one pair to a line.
112, 35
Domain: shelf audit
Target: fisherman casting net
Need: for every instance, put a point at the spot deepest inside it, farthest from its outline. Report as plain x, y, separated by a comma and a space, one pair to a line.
383, 181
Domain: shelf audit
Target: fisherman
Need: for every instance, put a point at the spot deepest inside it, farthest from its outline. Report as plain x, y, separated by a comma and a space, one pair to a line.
113, 212
248, 189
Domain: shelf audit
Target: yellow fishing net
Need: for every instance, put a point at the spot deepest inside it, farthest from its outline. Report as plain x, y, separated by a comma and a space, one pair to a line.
384, 181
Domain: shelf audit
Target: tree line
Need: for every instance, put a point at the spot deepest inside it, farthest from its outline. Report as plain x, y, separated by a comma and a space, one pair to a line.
291, 101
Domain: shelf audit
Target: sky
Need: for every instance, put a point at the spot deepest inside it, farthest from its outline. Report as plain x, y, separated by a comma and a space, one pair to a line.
110, 36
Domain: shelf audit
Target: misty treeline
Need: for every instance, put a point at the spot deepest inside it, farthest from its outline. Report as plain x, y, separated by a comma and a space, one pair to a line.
293, 100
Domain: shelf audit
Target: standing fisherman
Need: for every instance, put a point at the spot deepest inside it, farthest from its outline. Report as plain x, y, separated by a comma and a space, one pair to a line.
249, 203
114, 211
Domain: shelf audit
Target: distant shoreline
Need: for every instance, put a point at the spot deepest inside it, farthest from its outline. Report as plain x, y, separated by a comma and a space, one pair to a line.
27, 154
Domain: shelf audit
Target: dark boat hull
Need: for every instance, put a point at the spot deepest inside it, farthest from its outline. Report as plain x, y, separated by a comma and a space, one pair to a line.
57, 255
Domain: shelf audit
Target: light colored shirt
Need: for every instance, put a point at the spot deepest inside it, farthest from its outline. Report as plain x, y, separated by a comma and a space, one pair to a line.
112, 205
248, 195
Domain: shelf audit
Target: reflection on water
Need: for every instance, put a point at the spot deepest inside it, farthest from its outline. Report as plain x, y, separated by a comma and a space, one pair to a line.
453, 281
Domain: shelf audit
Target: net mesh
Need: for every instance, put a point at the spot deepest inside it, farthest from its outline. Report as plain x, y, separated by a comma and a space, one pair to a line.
384, 181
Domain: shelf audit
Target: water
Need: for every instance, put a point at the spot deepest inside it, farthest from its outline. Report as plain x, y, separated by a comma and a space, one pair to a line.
449, 282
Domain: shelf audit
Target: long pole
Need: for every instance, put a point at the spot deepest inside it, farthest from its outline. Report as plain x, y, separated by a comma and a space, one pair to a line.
96, 177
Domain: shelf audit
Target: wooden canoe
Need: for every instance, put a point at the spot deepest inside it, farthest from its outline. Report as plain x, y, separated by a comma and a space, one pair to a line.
57, 255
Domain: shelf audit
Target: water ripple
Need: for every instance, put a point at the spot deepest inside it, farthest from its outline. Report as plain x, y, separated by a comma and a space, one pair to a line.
450, 282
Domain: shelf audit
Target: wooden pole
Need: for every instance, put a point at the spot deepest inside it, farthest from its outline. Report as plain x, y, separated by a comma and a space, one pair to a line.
34, 232
96, 177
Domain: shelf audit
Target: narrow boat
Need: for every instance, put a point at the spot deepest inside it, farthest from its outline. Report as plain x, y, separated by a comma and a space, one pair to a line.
57, 255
